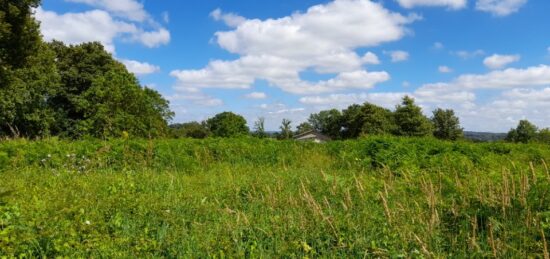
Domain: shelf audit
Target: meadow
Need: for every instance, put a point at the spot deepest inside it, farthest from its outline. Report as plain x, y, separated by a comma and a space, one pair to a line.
375, 197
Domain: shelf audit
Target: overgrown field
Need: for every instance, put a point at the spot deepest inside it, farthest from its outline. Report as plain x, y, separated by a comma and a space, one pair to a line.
378, 197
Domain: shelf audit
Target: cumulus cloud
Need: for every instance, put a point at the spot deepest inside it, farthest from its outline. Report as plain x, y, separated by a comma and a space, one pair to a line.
464, 54
101, 25
140, 68
256, 95
129, 9
197, 99
451, 4
323, 39
497, 61
500, 7
444, 69
535, 76
398, 55
370, 58
230, 19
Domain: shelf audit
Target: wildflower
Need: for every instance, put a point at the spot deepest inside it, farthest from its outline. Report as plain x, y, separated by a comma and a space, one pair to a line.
88, 222
49, 156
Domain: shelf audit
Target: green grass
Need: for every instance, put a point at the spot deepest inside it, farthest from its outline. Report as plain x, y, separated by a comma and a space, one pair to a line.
378, 197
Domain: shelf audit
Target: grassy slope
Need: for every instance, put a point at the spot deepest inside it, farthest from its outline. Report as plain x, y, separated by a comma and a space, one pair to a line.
247, 197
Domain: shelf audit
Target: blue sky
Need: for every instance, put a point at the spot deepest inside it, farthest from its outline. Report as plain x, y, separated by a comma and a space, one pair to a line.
489, 60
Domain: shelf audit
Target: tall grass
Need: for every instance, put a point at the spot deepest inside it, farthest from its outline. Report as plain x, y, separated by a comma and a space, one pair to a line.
378, 197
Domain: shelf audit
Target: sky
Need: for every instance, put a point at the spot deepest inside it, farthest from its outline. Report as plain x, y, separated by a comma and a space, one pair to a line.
489, 60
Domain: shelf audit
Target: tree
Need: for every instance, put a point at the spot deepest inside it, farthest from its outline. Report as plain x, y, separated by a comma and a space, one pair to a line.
303, 128
27, 72
189, 130
100, 98
259, 128
286, 129
328, 122
410, 121
19, 34
366, 119
227, 124
447, 125
525, 132
544, 136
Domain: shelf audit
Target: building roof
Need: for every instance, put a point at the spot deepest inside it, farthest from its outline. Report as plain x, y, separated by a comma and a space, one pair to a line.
315, 133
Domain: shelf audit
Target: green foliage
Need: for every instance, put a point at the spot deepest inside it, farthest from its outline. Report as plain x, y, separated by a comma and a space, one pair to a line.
259, 128
227, 124
367, 119
286, 129
410, 121
525, 132
303, 128
328, 122
377, 197
447, 125
189, 130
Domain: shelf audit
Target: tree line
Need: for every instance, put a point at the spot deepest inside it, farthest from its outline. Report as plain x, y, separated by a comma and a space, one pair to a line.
353, 122
51, 89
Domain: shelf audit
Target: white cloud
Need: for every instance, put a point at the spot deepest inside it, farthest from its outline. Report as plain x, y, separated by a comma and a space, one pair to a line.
438, 45
497, 61
536, 76
75, 28
322, 39
406, 84
154, 39
451, 4
398, 55
256, 95
444, 69
198, 99
99, 25
230, 19
500, 7
464, 54
129, 9
370, 58
140, 68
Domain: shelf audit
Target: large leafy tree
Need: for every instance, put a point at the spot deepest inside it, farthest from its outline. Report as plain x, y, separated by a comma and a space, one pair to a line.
447, 125
410, 121
227, 124
525, 132
100, 98
328, 122
367, 119
19, 33
28, 75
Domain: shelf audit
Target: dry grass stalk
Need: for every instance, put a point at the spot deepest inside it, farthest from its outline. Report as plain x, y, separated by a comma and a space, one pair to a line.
386, 208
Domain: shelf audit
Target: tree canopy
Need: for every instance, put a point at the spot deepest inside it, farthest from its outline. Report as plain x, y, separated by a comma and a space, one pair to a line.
72, 91
447, 125
227, 124
410, 121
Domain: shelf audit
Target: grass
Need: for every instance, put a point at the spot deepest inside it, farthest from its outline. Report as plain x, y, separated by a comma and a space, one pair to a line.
377, 197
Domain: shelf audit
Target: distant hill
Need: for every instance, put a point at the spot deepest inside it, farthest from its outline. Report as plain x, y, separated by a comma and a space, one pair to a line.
484, 136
